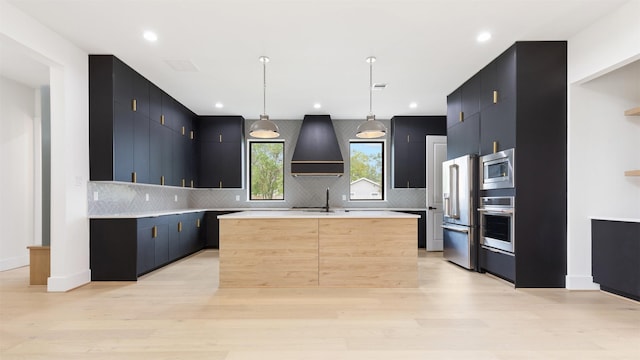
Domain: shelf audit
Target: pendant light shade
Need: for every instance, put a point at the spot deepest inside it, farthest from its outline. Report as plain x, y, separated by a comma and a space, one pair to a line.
264, 128
371, 128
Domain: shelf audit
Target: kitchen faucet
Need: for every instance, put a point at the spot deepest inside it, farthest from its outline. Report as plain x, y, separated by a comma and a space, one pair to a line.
326, 207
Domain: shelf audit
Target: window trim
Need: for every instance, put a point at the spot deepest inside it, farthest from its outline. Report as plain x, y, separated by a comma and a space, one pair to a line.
248, 169
383, 186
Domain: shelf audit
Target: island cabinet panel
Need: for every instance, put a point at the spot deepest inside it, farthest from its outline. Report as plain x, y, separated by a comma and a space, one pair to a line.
269, 253
368, 253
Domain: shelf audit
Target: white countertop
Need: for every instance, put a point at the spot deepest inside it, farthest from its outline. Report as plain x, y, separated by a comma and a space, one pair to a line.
339, 214
608, 218
144, 214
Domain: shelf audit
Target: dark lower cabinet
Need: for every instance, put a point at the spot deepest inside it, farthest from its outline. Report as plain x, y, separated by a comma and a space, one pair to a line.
422, 227
615, 256
124, 248
499, 264
212, 230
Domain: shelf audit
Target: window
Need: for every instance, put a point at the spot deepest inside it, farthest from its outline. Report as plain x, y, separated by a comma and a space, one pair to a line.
366, 173
266, 170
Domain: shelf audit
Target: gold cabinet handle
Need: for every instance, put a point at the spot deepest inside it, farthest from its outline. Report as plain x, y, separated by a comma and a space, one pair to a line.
161, 119
184, 182
192, 135
154, 232
191, 183
495, 96
134, 105
220, 138
179, 226
134, 177
197, 223
183, 131
162, 180
461, 116
407, 183
220, 184
495, 147
408, 138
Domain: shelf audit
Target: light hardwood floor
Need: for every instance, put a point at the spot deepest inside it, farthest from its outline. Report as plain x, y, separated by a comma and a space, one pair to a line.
178, 312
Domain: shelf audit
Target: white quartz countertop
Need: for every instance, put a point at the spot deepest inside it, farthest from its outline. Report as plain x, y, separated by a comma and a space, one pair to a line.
609, 218
144, 214
338, 214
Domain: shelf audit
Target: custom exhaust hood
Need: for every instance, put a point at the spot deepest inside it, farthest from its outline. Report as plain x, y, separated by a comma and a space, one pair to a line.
317, 152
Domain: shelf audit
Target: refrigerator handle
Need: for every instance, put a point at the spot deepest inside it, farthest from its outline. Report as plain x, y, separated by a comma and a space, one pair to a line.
454, 206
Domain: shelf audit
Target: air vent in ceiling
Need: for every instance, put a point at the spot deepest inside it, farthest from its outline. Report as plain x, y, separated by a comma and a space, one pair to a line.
379, 86
182, 65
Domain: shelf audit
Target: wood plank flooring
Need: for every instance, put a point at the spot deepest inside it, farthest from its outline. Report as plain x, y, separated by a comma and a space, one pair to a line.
179, 312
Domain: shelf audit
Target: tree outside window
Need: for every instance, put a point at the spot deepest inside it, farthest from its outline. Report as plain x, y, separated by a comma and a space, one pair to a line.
366, 163
266, 171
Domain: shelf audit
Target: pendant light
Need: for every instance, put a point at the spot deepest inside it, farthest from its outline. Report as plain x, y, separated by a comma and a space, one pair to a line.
371, 128
264, 128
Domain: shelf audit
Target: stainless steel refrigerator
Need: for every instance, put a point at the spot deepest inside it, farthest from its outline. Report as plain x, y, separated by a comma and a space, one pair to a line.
459, 195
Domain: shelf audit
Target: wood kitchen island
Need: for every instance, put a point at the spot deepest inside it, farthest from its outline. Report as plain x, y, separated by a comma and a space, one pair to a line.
375, 249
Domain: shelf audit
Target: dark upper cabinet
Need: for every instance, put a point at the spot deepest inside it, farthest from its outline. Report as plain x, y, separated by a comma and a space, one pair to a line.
498, 126
464, 137
408, 136
220, 140
470, 97
454, 108
498, 80
137, 132
160, 154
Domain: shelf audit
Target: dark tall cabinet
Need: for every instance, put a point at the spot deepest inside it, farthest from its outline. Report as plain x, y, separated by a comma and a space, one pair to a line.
519, 101
408, 138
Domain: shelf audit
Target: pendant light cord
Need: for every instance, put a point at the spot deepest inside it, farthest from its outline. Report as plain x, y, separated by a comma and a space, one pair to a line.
264, 87
370, 87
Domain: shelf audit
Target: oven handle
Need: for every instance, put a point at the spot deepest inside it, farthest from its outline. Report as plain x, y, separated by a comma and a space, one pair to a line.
456, 228
494, 211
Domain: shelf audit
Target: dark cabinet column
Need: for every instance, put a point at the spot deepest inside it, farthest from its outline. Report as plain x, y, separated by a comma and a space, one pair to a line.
220, 156
123, 138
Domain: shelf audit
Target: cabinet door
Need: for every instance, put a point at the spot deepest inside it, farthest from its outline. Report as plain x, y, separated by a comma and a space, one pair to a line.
454, 108
146, 250
141, 147
179, 168
416, 164
498, 123
161, 245
123, 138
470, 96
401, 163
220, 164
176, 249
141, 94
122, 83
221, 128
155, 103
498, 80
464, 138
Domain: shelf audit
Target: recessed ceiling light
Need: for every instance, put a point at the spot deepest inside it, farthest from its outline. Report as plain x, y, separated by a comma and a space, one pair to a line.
484, 36
413, 105
150, 36
317, 106
219, 105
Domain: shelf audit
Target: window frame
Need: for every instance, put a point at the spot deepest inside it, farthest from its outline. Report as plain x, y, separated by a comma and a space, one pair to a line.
249, 144
383, 186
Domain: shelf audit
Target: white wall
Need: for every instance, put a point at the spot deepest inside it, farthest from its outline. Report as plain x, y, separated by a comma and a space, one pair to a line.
68, 68
17, 115
602, 142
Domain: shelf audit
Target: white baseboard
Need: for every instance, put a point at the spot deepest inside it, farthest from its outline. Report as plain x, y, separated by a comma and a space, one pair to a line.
581, 282
68, 282
14, 262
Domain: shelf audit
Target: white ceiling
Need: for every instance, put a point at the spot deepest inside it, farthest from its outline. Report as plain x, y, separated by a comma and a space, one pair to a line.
425, 49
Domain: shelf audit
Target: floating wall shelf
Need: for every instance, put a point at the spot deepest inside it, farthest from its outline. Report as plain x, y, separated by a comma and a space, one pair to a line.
633, 112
